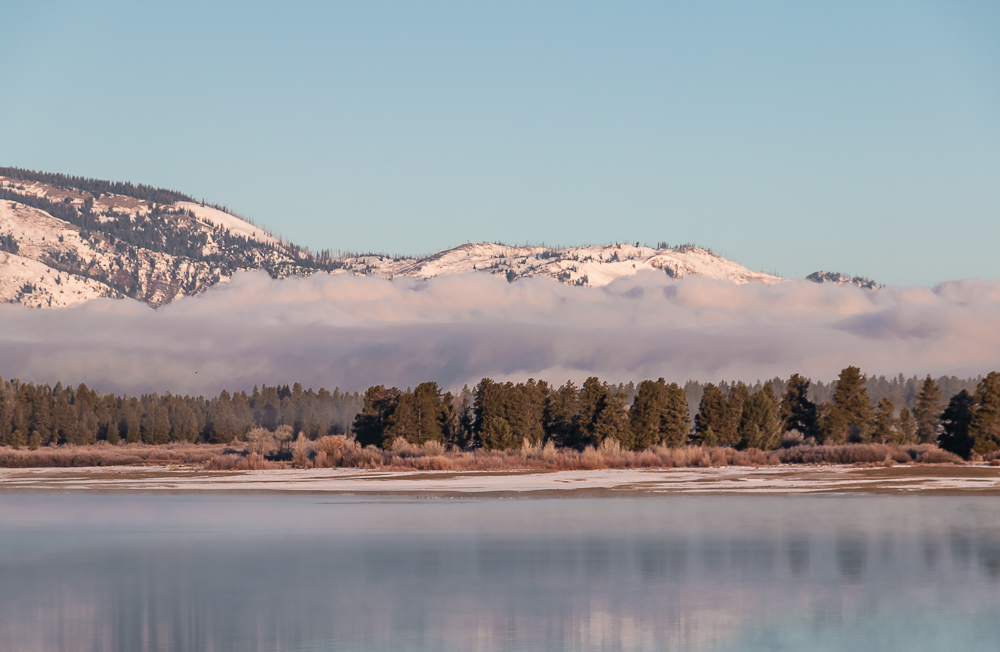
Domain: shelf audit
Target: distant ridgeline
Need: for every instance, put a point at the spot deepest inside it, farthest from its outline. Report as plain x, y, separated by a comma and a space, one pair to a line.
765, 416
102, 238
71, 239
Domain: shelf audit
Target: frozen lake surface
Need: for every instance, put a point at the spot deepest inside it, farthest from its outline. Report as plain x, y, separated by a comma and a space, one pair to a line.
219, 572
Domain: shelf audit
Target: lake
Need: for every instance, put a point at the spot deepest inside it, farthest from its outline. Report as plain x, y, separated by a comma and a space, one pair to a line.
219, 572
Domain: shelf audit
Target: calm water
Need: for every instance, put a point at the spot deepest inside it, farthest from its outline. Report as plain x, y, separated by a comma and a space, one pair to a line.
218, 573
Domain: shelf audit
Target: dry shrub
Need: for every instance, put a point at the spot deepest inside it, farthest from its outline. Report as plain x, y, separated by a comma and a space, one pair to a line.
718, 457
792, 438
402, 448
591, 459
610, 446
937, 456
104, 454
433, 448
844, 454
260, 441
435, 463
664, 455
368, 457
302, 454
643, 460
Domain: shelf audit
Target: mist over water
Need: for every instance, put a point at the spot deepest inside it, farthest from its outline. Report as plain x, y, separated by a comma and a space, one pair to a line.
353, 332
125, 572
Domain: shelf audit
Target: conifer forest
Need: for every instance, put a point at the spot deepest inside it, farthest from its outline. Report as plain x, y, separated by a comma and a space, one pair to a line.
961, 416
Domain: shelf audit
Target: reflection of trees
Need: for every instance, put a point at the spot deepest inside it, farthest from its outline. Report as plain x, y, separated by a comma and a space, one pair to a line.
852, 556
798, 555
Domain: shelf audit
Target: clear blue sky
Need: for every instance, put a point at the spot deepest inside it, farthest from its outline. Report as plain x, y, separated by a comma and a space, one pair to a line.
862, 137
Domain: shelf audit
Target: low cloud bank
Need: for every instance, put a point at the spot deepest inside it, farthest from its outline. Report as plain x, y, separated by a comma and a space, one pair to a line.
352, 332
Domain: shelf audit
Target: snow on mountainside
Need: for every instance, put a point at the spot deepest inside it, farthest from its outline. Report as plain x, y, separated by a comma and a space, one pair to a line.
231, 223
67, 240
593, 266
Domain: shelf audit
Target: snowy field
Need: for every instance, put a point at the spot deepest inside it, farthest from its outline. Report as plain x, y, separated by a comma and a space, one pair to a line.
748, 480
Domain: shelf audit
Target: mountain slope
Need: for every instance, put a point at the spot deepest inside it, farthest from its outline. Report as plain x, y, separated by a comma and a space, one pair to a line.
590, 266
67, 240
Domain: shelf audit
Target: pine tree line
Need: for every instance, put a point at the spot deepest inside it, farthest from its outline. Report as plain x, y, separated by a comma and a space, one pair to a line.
499, 416
37, 415
97, 186
503, 416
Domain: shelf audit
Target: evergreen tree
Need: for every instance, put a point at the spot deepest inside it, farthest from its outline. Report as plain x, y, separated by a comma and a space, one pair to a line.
111, 434
956, 419
927, 411
797, 411
525, 411
458, 418
885, 429
417, 416
985, 426
675, 426
64, 419
404, 421
711, 417
611, 420
561, 409
183, 421
593, 394
730, 433
17, 439
646, 414
760, 426
130, 420
907, 427
850, 415
370, 424
430, 413
496, 434
489, 406
155, 423
266, 406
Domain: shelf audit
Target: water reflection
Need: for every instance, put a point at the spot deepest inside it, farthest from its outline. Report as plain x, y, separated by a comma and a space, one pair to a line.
132, 573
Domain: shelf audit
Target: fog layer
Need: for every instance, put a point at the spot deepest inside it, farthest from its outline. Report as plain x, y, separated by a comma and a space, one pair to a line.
352, 332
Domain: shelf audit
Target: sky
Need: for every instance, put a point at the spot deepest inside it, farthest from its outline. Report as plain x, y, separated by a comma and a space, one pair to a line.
860, 137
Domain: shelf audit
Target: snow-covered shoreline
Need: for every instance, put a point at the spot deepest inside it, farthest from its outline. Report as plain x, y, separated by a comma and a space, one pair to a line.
741, 480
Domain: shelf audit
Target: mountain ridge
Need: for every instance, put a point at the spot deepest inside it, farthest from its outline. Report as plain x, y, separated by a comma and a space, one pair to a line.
66, 240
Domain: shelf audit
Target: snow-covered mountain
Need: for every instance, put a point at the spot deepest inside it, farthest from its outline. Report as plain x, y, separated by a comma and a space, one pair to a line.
591, 266
66, 240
